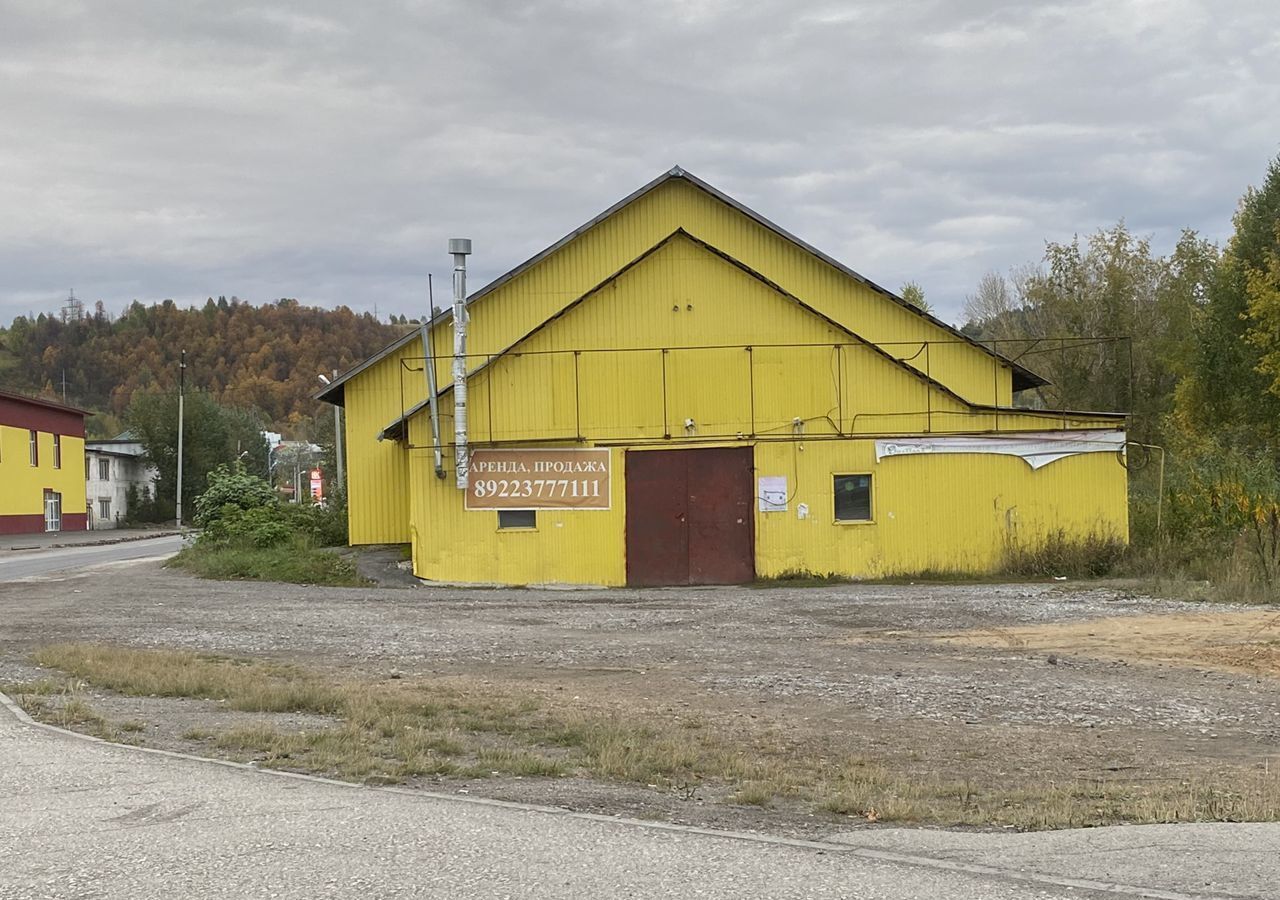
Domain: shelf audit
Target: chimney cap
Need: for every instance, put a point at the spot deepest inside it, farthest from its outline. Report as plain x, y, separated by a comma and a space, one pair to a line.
460, 246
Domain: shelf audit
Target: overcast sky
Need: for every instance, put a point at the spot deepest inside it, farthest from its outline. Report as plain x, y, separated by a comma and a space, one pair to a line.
327, 150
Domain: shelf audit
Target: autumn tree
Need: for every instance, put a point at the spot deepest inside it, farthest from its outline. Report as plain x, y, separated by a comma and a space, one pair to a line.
1233, 392
266, 357
1106, 320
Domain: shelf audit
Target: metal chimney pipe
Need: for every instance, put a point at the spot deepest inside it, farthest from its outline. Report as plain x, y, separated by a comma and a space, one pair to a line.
429, 366
460, 248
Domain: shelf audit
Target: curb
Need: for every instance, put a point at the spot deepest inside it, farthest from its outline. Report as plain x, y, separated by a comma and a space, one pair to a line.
867, 853
99, 543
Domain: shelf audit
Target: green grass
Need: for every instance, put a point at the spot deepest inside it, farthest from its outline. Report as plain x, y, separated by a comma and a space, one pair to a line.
298, 561
383, 732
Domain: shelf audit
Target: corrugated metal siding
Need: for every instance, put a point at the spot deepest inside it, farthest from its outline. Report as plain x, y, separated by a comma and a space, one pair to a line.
451, 544
378, 471
944, 512
517, 307
948, 513
931, 513
688, 300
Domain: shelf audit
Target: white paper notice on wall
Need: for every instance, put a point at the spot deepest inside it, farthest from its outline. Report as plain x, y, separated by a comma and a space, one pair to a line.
773, 493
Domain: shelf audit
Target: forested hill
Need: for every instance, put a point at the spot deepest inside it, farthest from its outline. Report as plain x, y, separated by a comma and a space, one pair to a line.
264, 358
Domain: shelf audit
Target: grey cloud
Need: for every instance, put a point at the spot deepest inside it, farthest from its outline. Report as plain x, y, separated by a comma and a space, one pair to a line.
326, 150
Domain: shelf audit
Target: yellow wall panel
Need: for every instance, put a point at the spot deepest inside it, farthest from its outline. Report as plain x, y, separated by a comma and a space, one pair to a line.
454, 545
378, 471
22, 485
939, 513
931, 513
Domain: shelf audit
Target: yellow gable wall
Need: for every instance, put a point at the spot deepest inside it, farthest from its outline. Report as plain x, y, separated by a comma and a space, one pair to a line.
503, 316
688, 299
691, 301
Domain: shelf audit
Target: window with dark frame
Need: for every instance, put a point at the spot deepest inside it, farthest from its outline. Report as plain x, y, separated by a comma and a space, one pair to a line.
517, 518
57, 451
853, 498
104, 469
35, 448
104, 509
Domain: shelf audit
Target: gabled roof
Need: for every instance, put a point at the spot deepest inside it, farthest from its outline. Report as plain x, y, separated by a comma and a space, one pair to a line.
333, 392
395, 429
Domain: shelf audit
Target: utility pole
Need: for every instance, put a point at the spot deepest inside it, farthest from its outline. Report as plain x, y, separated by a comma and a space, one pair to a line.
182, 385
337, 438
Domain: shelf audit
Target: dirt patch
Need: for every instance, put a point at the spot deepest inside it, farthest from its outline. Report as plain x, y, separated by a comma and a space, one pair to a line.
912, 680
1240, 641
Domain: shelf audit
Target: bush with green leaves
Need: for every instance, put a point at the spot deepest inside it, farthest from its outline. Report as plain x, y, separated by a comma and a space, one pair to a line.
231, 487
260, 527
327, 524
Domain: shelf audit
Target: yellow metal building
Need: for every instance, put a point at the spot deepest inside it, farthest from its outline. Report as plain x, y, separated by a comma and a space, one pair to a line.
42, 474
765, 410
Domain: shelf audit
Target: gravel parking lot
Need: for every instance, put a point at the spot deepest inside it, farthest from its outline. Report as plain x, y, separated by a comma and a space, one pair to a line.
991, 682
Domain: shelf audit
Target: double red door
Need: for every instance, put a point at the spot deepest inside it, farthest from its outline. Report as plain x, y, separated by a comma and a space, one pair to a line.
689, 517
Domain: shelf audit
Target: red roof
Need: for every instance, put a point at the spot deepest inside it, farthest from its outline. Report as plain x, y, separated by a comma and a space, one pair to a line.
47, 404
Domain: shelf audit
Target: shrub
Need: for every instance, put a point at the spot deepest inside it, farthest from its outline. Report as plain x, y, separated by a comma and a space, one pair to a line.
260, 527
294, 559
232, 488
325, 524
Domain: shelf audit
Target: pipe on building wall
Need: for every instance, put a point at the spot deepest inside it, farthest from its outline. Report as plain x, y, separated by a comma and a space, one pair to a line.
460, 248
430, 368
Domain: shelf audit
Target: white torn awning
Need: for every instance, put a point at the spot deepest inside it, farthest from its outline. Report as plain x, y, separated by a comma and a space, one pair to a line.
1035, 448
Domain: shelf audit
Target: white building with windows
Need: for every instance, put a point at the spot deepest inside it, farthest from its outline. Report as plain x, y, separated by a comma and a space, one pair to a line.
111, 468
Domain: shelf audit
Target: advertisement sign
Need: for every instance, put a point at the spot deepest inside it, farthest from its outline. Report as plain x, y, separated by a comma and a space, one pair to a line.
317, 486
539, 479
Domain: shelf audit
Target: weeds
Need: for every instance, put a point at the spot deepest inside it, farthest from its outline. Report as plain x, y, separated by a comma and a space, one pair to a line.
298, 561
387, 732
1062, 554
801, 578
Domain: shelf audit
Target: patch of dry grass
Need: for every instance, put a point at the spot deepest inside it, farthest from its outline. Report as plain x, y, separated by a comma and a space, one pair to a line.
66, 709
252, 687
385, 732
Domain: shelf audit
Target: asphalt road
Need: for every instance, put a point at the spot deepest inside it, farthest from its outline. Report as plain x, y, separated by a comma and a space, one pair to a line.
17, 565
85, 819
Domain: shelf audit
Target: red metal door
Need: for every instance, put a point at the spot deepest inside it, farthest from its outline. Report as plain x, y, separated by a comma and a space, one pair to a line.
689, 517
721, 525
657, 518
